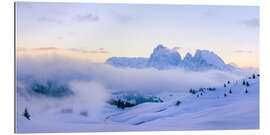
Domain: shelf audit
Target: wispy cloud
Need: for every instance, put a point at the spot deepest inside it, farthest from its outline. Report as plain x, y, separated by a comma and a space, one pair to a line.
177, 48
49, 20
124, 18
243, 51
97, 51
211, 12
100, 50
87, 18
253, 23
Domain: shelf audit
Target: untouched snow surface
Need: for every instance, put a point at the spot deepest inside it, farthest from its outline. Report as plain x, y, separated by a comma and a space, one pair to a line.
210, 110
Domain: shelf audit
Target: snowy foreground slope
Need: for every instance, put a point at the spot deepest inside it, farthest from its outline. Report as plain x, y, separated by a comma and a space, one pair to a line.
205, 109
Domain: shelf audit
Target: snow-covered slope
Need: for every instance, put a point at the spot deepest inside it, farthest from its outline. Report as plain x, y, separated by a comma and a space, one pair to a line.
206, 109
164, 58
232, 105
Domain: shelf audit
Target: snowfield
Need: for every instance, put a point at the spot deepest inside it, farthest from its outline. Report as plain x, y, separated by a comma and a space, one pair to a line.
204, 110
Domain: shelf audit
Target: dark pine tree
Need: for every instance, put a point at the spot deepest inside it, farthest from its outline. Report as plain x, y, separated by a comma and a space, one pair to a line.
178, 103
225, 94
230, 91
246, 91
253, 76
26, 114
247, 84
228, 82
244, 83
224, 85
191, 91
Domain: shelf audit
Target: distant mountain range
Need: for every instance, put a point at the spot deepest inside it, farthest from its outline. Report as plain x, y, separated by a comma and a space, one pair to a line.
164, 58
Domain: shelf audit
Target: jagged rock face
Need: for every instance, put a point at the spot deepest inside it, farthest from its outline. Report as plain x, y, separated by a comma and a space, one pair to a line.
164, 58
202, 60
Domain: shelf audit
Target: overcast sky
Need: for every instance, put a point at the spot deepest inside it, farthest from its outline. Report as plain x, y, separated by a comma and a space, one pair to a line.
100, 31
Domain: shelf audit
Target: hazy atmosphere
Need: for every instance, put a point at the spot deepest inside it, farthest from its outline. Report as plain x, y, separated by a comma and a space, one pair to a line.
100, 31
89, 67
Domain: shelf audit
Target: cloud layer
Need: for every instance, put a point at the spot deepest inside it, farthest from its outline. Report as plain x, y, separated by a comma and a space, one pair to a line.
93, 83
67, 70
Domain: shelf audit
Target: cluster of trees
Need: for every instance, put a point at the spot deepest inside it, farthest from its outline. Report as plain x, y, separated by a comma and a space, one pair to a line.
200, 91
211, 89
121, 104
245, 83
192, 91
254, 76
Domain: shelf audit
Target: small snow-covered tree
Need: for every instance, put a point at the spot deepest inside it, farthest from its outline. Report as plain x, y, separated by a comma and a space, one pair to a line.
225, 94
224, 85
244, 83
230, 91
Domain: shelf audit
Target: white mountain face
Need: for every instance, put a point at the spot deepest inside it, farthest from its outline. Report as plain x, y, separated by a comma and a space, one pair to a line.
205, 60
164, 58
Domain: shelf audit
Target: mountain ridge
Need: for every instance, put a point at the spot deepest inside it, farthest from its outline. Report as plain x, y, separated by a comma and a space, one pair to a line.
164, 58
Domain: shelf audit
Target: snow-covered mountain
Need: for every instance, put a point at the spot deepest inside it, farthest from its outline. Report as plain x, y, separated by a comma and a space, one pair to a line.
164, 58
205, 60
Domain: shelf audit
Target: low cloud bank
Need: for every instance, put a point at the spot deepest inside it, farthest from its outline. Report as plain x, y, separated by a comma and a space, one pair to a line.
92, 83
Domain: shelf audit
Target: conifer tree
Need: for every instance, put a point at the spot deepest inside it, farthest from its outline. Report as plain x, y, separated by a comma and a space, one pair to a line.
178, 103
191, 91
26, 114
230, 91
253, 76
247, 84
